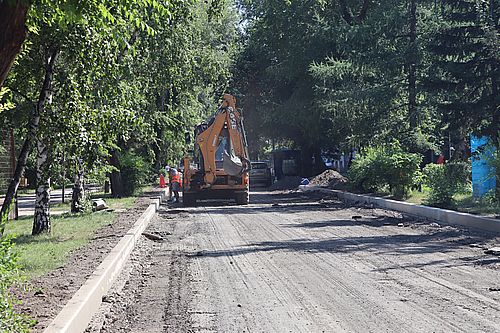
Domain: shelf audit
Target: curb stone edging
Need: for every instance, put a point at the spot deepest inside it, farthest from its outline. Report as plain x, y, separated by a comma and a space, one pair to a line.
77, 313
446, 216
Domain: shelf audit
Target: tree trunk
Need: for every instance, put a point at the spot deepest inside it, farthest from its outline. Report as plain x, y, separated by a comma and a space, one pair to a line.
115, 177
14, 183
412, 66
34, 122
41, 221
12, 33
63, 176
78, 197
319, 165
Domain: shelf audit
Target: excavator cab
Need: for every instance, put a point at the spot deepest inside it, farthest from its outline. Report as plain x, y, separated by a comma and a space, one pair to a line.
219, 166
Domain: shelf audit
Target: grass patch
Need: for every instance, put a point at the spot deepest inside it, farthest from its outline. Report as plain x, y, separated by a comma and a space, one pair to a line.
463, 203
417, 197
483, 206
44, 253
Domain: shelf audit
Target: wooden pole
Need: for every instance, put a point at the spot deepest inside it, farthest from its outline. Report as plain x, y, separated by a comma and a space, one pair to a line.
13, 170
63, 177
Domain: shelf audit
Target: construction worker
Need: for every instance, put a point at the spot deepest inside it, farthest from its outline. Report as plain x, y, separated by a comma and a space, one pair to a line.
175, 182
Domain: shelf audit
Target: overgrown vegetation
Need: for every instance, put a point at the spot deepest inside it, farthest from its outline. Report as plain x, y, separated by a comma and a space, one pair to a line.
116, 85
445, 181
332, 76
11, 321
135, 171
388, 166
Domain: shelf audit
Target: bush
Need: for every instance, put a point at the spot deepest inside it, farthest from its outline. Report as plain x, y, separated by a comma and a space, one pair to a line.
446, 180
10, 320
385, 166
135, 172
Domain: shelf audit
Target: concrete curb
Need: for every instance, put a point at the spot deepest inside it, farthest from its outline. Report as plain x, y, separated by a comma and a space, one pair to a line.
77, 313
446, 216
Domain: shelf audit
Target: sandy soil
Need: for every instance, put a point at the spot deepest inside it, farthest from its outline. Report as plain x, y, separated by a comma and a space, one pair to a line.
46, 295
291, 263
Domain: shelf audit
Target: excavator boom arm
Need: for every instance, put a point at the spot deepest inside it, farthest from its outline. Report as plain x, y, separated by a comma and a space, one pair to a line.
209, 140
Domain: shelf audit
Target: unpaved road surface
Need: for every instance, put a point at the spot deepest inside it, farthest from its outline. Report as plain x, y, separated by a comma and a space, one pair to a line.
291, 263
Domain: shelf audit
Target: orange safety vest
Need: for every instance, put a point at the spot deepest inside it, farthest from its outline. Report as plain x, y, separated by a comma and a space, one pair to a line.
176, 178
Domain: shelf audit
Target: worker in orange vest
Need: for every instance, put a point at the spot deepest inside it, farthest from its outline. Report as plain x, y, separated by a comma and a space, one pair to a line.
175, 182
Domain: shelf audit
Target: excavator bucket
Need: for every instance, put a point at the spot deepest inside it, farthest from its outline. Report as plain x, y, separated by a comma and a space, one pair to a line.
232, 164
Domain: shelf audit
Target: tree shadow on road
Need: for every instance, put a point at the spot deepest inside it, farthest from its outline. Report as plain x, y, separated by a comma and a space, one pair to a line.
385, 245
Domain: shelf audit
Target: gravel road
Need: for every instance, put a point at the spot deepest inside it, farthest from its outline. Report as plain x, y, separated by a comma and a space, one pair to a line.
295, 263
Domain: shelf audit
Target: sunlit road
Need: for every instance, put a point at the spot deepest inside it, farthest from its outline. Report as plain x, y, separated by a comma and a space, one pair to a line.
291, 263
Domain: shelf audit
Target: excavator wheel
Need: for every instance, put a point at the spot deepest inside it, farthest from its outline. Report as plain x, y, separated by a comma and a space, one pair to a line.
242, 198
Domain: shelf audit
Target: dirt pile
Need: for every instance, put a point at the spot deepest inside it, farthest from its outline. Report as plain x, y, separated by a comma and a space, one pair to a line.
286, 183
330, 179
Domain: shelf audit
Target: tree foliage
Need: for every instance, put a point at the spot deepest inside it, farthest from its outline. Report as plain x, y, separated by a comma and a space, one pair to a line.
129, 80
338, 75
388, 166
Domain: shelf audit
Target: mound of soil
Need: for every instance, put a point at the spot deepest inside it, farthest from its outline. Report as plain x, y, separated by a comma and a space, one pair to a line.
286, 183
329, 178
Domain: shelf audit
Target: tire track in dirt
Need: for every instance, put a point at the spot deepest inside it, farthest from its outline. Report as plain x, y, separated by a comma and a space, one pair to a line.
425, 313
442, 283
325, 289
258, 284
302, 267
152, 294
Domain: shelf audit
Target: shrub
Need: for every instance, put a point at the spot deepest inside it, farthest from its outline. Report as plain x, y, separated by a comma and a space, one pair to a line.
134, 170
446, 180
385, 166
10, 320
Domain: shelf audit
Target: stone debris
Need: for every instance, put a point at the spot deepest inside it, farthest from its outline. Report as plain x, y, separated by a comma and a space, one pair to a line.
99, 204
152, 236
493, 250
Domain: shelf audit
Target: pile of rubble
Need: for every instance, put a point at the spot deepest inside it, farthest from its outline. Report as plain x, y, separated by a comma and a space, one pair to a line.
330, 179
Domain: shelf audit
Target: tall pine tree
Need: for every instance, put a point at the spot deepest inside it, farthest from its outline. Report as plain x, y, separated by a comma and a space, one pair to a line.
466, 70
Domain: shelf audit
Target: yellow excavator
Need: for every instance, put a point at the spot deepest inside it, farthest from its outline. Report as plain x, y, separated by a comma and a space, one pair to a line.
219, 165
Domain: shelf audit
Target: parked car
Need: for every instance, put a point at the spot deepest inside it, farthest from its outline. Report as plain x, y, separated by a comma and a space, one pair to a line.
261, 173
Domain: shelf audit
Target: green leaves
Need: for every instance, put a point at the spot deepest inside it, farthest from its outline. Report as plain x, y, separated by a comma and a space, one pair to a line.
5, 99
385, 166
12, 322
446, 180
129, 74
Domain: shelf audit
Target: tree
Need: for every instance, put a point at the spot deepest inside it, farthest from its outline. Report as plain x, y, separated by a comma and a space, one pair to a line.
466, 67
14, 15
12, 33
49, 15
108, 112
333, 75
